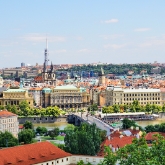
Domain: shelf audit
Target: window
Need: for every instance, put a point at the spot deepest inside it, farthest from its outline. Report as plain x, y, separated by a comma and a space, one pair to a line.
57, 161
62, 160
66, 159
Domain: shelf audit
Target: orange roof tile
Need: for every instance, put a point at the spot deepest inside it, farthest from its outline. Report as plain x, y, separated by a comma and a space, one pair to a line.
5, 113
31, 154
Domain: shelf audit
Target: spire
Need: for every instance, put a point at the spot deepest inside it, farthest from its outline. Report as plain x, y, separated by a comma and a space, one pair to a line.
51, 67
101, 72
46, 43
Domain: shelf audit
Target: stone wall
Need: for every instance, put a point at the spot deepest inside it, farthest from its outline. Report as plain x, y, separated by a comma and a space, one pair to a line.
42, 119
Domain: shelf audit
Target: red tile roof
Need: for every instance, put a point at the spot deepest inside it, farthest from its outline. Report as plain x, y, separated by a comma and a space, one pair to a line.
149, 136
5, 113
31, 154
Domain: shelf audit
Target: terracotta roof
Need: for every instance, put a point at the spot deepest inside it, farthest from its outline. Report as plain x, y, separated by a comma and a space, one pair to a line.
5, 113
36, 89
118, 142
149, 136
31, 154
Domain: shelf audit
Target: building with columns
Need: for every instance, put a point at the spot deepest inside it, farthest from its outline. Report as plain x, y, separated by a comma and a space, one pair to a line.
69, 96
15, 96
118, 95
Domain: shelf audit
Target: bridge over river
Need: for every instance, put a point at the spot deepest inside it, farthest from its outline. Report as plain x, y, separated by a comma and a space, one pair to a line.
78, 118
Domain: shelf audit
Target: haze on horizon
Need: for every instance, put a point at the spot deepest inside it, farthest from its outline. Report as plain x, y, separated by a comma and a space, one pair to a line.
82, 31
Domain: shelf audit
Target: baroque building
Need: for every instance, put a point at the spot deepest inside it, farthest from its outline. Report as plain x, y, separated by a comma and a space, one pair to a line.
117, 95
69, 97
15, 96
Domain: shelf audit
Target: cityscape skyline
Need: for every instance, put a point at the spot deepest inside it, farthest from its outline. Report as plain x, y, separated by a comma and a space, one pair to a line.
82, 32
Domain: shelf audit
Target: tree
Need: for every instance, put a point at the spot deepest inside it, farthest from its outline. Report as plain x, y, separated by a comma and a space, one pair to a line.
69, 127
26, 136
41, 130
14, 109
23, 105
8, 107
103, 134
163, 108
139, 153
79, 140
53, 133
93, 107
7, 139
109, 158
128, 123
116, 108
28, 125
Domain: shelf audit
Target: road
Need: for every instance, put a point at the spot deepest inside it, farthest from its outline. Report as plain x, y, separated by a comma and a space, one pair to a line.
100, 124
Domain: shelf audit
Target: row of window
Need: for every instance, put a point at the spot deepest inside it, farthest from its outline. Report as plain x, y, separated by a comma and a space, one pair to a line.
142, 94
147, 98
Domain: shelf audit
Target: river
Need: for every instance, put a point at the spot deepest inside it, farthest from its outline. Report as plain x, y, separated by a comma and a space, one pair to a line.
62, 125
49, 126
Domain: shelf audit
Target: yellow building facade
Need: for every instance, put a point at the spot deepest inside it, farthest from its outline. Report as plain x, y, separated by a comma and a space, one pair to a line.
15, 96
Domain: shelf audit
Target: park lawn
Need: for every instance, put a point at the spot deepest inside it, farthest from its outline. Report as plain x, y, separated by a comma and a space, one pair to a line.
61, 138
54, 143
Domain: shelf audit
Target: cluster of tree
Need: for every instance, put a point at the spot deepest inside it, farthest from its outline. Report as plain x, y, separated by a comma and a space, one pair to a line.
137, 153
93, 107
7, 139
23, 109
134, 107
84, 140
121, 69
155, 128
27, 134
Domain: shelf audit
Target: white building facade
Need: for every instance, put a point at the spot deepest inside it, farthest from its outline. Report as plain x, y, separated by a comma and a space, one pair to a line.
9, 122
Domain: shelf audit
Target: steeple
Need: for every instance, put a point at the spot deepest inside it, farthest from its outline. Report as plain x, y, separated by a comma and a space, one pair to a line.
46, 54
101, 72
51, 67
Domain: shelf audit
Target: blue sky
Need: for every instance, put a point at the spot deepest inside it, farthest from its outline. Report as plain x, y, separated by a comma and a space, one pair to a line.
82, 31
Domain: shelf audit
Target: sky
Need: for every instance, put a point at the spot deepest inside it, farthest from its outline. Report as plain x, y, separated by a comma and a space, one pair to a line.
82, 31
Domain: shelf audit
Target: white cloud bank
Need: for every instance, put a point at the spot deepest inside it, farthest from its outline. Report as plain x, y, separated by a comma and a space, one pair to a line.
111, 21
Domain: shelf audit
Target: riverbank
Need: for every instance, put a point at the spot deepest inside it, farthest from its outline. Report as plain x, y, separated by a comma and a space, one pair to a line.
38, 119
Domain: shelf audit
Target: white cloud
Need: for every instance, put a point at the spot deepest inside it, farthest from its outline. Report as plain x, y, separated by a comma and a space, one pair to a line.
40, 38
111, 21
115, 46
142, 29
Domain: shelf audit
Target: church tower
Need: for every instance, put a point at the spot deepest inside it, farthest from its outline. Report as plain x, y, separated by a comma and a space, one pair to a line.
48, 75
101, 77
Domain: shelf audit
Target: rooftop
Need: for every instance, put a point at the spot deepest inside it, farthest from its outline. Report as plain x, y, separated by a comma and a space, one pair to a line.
66, 87
31, 154
5, 113
15, 90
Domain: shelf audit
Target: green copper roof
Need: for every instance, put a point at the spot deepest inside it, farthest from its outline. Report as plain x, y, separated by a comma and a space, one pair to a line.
66, 87
46, 89
15, 90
